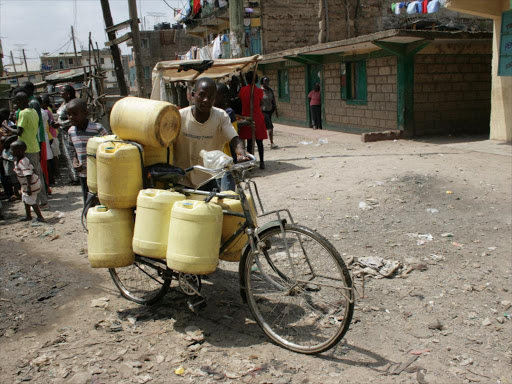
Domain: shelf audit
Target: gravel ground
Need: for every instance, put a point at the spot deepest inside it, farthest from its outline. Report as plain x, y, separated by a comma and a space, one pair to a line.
438, 209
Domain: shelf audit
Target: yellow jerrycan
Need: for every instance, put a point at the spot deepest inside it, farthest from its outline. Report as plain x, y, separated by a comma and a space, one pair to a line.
148, 122
119, 174
230, 224
152, 222
92, 148
155, 155
194, 237
109, 237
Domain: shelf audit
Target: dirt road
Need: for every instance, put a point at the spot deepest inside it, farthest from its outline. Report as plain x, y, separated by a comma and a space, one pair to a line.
442, 209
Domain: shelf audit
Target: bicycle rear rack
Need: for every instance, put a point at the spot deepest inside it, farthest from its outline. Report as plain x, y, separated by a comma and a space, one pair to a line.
257, 199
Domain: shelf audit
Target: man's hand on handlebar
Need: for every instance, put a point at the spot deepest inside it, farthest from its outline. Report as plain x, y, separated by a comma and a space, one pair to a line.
241, 153
242, 156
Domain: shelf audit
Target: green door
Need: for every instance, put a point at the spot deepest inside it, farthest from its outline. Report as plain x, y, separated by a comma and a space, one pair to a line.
314, 75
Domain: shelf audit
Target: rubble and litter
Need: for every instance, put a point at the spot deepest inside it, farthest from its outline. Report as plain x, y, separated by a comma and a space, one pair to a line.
376, 267
102, 302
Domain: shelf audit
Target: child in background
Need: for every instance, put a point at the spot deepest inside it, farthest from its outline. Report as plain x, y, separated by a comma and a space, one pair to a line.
30, 183
8, 166
79, 134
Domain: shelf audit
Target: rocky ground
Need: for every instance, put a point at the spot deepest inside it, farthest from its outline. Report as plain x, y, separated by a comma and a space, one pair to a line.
440, 212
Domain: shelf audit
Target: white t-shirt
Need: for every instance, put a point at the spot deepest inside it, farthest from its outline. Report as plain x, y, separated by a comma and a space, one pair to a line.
194, 136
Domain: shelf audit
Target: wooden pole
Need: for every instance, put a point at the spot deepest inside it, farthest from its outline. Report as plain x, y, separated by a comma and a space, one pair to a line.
74, 44
14, 67
89, 55
139, 70
114, 49
25, 60
253, 123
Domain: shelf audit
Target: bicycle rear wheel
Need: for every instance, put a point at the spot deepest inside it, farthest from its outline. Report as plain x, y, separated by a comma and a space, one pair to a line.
142, 282
302, 299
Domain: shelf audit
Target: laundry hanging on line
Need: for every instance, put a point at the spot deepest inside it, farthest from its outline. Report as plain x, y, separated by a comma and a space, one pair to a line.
417, 7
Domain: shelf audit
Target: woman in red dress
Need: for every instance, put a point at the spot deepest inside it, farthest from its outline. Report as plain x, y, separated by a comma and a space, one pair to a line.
257, 116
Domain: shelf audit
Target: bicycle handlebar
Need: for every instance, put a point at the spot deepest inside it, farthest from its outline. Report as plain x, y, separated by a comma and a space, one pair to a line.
230, 167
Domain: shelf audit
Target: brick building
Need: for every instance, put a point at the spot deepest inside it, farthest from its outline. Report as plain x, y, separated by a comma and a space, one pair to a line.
415, 81
158, 45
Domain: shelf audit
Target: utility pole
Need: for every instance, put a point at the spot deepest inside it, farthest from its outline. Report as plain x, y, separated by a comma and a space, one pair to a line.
114, 49
236, 27
74, 45
139, 70
14, 67
25, 60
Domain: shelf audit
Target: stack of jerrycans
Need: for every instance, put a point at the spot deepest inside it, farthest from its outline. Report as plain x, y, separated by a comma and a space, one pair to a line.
144, 131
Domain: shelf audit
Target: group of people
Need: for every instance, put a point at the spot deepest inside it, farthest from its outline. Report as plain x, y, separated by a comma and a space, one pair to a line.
31, 148
30, 145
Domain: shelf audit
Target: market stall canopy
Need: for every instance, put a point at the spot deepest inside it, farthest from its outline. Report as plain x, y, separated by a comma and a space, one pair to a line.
191, 70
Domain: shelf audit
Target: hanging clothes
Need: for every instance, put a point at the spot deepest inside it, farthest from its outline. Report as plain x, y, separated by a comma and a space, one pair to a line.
433, 6
205, 53
197, 7
424, 6
217, 51
414, 7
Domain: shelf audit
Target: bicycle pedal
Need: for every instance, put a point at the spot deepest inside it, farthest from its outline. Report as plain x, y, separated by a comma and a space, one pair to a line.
194, 306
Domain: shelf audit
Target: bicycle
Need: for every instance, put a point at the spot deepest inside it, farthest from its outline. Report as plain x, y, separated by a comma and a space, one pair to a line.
294, 281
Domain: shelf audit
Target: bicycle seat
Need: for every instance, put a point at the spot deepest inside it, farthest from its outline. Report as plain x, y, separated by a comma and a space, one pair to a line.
166, 173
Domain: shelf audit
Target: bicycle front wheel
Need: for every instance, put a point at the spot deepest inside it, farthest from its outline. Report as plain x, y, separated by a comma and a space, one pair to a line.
299, 289
143, 282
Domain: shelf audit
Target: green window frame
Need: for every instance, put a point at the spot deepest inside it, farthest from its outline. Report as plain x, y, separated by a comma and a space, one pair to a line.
147, 72
354, 82
284, 85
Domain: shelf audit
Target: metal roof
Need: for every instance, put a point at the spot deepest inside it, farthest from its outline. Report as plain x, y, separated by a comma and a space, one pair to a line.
365, 43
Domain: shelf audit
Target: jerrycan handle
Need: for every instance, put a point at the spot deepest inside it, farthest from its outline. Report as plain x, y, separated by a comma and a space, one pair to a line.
149, 192
101, 208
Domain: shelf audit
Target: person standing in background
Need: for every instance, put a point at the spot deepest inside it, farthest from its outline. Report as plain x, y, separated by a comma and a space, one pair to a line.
315, 106
53, 165
257, 115
29, 88
63, 123
268, 107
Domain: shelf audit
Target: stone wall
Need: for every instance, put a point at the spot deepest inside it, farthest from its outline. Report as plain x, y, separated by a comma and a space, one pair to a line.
163, 45
295, 109
379, 113
296, 23
452, 93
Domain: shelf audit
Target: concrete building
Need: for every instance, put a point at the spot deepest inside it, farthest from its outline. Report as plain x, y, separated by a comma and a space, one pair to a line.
68, 60
107, 66
63, 60
501, 101
158, 45
418, 82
